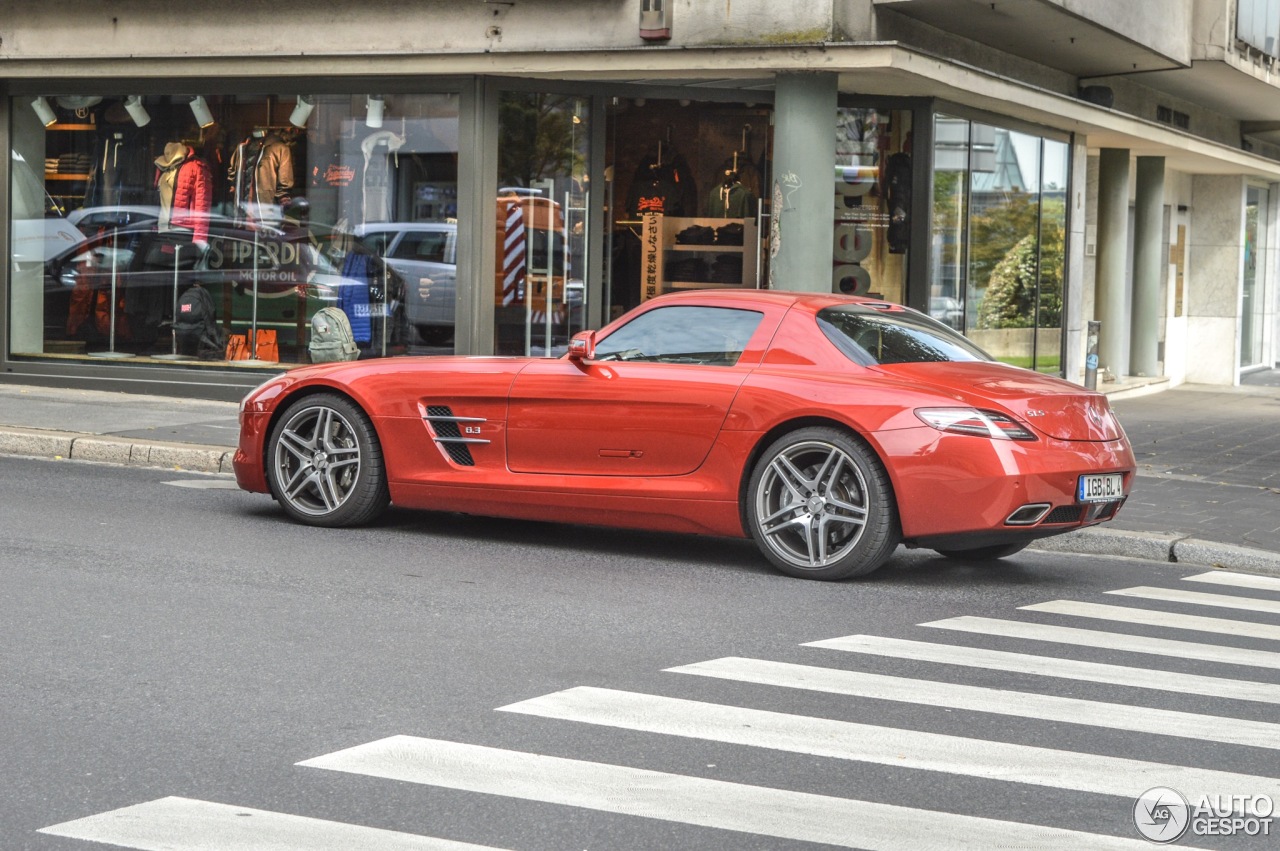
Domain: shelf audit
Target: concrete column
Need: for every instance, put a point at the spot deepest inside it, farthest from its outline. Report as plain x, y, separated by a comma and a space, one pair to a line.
1112, 306
801, 242
1148, 267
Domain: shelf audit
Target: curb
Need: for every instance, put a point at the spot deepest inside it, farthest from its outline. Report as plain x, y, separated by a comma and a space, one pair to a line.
1169, 547
59, 445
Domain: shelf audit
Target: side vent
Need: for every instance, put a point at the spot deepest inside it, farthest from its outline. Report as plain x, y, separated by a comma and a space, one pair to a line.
446, 429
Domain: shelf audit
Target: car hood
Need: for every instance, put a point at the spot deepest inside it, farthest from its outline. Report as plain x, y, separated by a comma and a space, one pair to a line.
1047, 404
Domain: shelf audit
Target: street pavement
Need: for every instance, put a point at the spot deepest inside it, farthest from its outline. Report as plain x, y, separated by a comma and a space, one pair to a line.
1208, 488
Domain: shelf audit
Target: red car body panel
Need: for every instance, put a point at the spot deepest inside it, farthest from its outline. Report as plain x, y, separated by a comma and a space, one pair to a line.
669, 446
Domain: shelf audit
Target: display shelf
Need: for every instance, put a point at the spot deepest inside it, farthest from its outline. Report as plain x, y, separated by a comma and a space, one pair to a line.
61, 176
658, 239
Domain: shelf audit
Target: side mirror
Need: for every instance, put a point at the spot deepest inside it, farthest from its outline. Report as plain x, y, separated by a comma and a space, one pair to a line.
582, 346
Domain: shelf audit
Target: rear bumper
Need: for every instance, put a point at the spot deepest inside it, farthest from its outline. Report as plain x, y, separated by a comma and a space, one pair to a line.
954, 489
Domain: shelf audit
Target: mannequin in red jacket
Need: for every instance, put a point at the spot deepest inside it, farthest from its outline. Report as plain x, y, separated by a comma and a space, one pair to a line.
185, 183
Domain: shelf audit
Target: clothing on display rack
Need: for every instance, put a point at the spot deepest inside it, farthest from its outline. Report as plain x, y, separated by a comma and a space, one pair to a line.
261, 174
662, 183
185, 186
731, 200
381, 152
898, 185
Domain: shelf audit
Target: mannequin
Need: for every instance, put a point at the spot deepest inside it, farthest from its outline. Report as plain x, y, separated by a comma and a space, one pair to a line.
378, 149
185, 185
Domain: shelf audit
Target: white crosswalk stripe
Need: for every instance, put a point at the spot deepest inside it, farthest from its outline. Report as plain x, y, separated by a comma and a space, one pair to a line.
1051, 666
1066, 710
1199, 598
1148, 617
779, 813
183, 824
883, 745
1110, 641
1237, 580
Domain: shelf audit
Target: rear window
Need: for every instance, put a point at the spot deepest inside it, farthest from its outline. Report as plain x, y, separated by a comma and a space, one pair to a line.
868, 337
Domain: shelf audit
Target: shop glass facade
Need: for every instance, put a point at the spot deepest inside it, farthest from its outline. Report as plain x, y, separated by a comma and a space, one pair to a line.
541, 222
873, 189
686, 198
997, 240
275, 206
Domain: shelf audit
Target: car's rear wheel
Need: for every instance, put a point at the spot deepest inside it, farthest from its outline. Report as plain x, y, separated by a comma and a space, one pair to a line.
990, 553
324, 463
820, 506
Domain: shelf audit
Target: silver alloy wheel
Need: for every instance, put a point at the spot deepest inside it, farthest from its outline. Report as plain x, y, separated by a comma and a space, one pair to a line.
317, 460
812, 504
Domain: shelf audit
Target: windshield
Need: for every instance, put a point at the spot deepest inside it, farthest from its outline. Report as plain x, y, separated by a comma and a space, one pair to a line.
868, 336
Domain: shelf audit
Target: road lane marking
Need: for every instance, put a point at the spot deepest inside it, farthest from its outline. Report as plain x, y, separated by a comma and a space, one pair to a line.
1199, 598
779, 813
1044, 707
1149, 617
1110, 641
1052, 666
1237, 580
882, 745
184, 824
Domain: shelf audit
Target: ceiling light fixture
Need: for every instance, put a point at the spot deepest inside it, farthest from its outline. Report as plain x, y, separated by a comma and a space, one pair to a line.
138, 112
44, 111
374, 106
200, 110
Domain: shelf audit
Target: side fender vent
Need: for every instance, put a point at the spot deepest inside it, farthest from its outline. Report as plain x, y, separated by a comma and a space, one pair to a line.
447, 431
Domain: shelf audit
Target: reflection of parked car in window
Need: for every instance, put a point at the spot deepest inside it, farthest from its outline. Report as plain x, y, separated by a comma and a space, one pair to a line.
296, 273
947, 310
39, 230
425, 254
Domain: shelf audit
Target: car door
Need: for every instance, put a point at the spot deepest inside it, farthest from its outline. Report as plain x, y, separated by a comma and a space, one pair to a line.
651, 402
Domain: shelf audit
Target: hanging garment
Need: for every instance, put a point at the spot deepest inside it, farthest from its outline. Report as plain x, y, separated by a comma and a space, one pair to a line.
167, 164
353, 296
734, 201
193, 198
379, 148
898, 179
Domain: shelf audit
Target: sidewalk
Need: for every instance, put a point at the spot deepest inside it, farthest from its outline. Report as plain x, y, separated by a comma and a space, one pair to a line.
1208, 487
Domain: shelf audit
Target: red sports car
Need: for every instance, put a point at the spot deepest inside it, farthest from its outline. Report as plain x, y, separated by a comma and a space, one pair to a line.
830, 429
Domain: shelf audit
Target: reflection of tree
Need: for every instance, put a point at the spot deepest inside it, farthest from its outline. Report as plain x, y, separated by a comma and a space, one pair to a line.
995, 232
1010, 298
537, 137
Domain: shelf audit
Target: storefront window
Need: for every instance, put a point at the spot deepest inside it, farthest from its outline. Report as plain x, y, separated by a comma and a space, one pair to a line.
873, 187
686, 198
544, 148
213, 228
1251, 304
999, 225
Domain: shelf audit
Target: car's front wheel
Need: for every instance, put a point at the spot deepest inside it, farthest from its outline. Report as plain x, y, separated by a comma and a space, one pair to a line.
324, 463
820, 506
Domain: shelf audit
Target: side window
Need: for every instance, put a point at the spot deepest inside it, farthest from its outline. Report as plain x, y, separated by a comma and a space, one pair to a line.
427, 245
699, 335
376, 242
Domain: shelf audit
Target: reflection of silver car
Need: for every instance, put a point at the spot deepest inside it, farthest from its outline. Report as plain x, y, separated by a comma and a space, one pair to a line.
425, 254
947, 310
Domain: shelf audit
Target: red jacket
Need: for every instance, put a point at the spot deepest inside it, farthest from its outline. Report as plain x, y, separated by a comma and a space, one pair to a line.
193, 198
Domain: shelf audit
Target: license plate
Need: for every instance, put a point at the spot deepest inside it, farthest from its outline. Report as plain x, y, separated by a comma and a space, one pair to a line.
1101, 488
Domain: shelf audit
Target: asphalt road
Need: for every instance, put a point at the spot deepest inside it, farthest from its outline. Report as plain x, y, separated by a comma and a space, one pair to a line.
166, 638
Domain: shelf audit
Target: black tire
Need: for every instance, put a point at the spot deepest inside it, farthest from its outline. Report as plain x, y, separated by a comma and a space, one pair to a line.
824, 475
990, 553
324, 463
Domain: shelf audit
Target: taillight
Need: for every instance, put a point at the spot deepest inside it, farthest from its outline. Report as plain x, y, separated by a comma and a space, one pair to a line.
974, 422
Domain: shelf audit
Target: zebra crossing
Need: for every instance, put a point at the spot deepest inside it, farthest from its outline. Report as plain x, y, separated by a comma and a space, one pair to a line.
1176, 631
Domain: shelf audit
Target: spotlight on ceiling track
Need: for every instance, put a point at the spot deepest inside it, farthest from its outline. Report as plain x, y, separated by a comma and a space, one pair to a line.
45, 112
374, 107
138, 112
302, 111
200, 110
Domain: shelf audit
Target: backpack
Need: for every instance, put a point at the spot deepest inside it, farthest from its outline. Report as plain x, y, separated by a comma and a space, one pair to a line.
331, 337
195, 325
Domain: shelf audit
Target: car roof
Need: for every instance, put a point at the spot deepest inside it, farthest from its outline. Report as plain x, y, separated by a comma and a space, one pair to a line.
379, 227
811, 301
